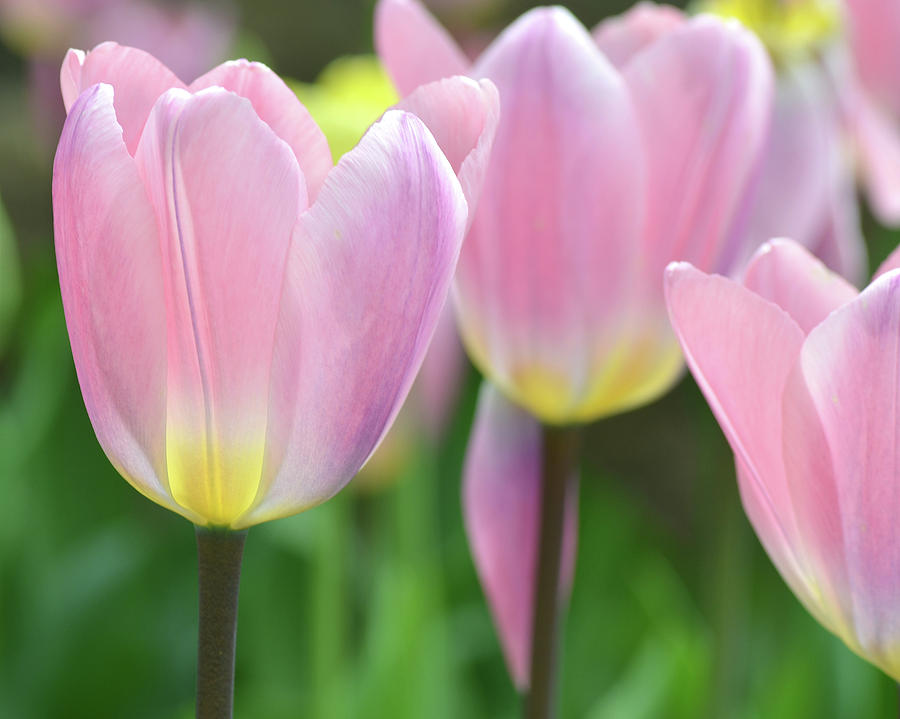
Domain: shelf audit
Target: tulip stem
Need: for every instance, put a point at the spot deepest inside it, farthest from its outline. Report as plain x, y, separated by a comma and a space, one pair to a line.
560, 457
219, 553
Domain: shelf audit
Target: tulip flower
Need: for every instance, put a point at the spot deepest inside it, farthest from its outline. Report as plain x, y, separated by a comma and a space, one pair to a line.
801, 370
245, 318
558, 294
605, 167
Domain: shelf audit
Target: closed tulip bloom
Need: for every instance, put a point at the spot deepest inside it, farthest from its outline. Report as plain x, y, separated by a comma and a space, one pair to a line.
246, 318
801, 372
603, 170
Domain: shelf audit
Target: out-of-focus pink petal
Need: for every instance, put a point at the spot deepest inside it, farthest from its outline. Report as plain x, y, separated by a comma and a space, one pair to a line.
878, 144
278, 106
891, 263
462, 114
841, 245
703, 93
367, 277
624, 36
501, 504
786, 273
803, 183
553, 245
188, 37
741, 348
413, 46
874, 28
841, 433
110, 274
137, 77
439, 382
228, 193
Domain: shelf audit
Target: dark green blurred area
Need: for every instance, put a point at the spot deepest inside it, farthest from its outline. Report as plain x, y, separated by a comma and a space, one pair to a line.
369, 605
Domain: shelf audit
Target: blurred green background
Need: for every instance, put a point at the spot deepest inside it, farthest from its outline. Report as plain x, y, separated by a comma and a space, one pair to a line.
369, 605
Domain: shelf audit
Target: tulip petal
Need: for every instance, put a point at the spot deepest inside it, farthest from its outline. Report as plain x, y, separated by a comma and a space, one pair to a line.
703, 93
874, 30
841, 433
552, 246
891, 263
841, 244
438, 385
878, 143
622, 37
228, 193
462, 114
137, 77
110, 274
786, 273
502, 508
368, 274
741, 348
413, 46
803, 190
278, 106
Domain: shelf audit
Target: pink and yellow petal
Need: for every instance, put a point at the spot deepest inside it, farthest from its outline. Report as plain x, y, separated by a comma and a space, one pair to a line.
367, 277
111, 279
552, 249
227, 193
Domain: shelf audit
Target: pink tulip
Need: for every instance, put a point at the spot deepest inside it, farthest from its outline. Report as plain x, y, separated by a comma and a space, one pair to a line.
245, 318
501, 504
871, 94
605, 167
801, 373
806, 190
599, 177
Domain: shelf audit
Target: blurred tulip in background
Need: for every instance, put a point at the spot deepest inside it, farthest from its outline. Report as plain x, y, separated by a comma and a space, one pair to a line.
187, 38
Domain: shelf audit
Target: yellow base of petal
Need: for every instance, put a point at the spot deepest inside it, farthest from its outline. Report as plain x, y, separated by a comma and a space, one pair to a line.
636, 371
218, 484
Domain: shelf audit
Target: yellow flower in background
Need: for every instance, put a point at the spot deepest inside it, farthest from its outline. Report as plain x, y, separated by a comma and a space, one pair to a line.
789, 28
348, 96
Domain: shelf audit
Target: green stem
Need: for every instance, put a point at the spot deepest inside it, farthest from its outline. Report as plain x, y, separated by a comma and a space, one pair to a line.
560, 457
219, 553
